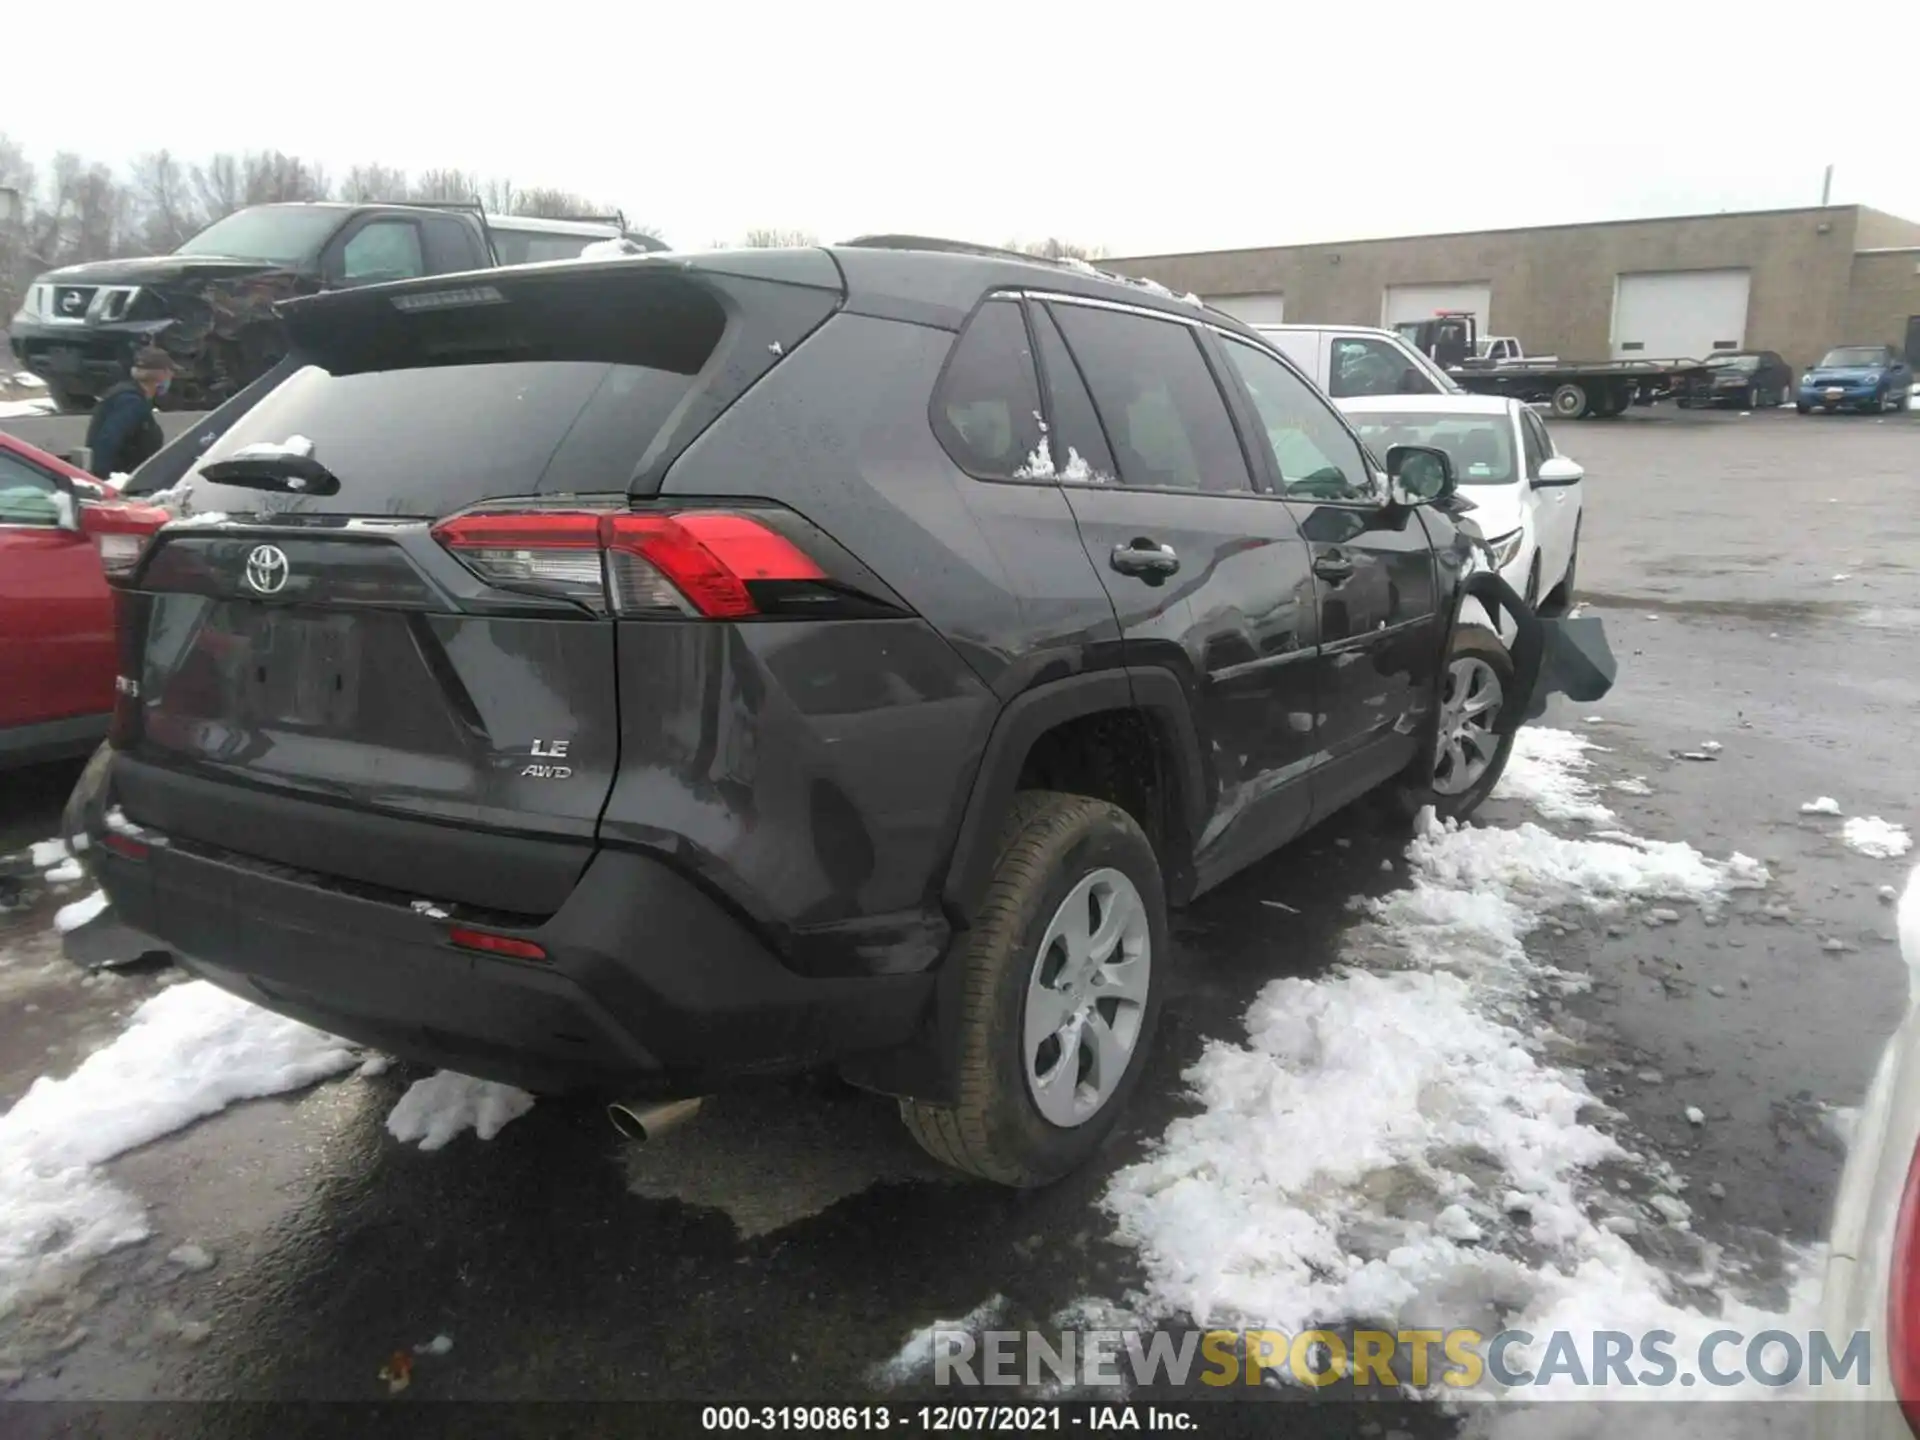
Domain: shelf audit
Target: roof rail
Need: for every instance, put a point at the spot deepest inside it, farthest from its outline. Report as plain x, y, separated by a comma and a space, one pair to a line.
934, 243
1064, 262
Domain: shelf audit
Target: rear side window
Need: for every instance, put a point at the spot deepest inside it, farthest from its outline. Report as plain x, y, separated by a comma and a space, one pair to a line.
1077, 446
986, 408
1162, 412
452, 244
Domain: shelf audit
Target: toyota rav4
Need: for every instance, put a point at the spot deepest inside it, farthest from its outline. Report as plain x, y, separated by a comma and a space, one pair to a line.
638, 676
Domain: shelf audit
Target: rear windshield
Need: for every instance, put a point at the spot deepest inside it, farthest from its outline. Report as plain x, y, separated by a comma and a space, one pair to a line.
505, 389
281, 234
427, 441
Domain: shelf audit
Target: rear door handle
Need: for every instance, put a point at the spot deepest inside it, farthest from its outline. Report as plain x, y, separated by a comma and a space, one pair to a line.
1146, 558
1333, 566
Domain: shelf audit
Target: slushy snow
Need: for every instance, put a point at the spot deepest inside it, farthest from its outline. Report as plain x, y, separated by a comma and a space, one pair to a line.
72, 917
189, 1051
915, 1358
436, 1109
1881, 839
1395, 1143
1546, 769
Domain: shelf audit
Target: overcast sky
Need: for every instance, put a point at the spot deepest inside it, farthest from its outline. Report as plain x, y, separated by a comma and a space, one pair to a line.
1140, 128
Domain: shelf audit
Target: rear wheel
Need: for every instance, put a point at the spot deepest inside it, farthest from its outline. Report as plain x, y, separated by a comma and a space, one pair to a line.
1569, 401
1060, 987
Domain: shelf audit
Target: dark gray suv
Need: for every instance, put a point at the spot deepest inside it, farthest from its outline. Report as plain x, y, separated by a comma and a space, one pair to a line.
641, 675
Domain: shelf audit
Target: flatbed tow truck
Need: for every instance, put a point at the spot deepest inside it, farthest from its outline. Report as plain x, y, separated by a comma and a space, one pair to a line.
1571, 389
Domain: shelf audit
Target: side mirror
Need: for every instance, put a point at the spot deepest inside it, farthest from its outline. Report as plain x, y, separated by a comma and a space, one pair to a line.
1558, 470
1418, 474
66, 511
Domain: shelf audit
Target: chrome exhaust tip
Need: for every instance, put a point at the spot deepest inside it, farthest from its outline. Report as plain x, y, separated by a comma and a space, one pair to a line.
642, 1121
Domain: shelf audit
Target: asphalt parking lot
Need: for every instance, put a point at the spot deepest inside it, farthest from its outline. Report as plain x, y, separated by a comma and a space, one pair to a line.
1757, 578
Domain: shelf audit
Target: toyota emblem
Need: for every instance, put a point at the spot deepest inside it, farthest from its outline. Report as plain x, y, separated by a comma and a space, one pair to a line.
267, 569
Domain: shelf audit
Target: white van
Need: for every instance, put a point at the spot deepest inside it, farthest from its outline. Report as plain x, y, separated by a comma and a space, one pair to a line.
1350, 360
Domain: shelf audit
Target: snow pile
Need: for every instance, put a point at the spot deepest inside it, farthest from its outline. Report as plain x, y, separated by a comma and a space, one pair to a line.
1547, 769
1881, 839
1395, 1143
612, 249
67, 872
72, 917
21, 409
297, 447
915, 1358
436, 1109
1825, 805
1039, 466
188, 1052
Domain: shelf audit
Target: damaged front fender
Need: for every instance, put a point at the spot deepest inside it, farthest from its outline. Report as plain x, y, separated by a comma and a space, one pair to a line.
1566, 656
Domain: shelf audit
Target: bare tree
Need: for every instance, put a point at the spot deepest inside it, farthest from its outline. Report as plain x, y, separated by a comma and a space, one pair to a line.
551, 204
446, 185
163, 190
220, 186
374, 182
1053, 248
775, 239
268, 178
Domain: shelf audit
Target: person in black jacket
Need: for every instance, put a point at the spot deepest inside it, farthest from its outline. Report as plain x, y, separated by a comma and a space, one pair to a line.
123, 431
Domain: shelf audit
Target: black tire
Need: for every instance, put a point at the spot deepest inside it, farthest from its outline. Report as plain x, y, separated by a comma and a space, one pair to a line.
1570, 401
1414, 788
1803, 407
1049, 843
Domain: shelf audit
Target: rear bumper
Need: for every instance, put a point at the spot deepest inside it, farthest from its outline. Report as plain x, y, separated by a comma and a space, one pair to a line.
650, 986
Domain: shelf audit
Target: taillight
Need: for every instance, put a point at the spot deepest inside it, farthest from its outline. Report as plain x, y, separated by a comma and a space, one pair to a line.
705, 563
491, 944
1903, 1300
709, 557
125, 845
558, 552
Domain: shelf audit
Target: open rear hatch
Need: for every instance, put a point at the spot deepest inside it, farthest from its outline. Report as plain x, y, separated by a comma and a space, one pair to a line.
378, 648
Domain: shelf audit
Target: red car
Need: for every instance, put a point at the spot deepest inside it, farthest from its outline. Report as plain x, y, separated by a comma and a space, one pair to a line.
61, 531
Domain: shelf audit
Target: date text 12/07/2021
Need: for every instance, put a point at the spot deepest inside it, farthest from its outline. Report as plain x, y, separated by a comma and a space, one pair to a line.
941, 1419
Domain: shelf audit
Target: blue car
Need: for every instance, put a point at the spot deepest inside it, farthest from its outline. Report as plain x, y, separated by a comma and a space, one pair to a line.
1857, 377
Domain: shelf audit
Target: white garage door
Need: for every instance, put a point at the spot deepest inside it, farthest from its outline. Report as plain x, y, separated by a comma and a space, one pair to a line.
1421, 302
1263, 309
1679, 314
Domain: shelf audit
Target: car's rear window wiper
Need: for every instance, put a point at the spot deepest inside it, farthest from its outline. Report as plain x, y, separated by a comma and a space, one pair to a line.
295, 474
